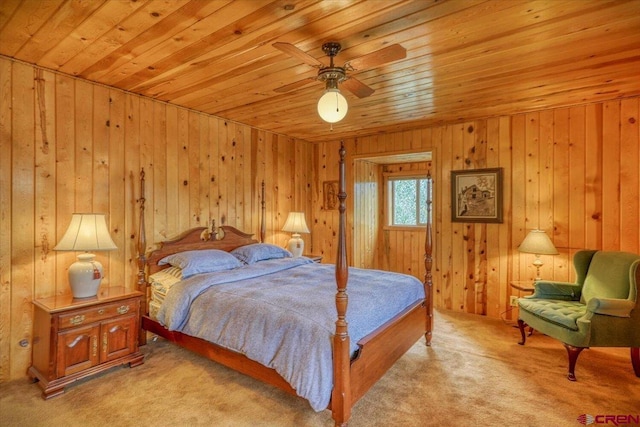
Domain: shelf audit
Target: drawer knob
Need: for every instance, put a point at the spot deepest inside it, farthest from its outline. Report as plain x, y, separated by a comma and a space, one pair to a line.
76, 320
123, 309
101, 311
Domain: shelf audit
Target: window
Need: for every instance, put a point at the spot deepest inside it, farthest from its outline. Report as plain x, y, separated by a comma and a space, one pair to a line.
407, 201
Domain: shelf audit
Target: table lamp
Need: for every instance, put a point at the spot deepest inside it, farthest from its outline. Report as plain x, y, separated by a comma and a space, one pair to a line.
296, 224
86, 232
537, 242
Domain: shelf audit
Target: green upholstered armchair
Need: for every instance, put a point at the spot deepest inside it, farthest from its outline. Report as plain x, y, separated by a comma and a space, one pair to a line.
601, 309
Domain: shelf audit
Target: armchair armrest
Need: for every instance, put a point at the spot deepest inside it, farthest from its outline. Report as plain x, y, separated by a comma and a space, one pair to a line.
611, 306
556, 290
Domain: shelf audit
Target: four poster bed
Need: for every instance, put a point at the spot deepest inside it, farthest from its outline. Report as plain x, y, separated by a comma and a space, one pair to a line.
387, 314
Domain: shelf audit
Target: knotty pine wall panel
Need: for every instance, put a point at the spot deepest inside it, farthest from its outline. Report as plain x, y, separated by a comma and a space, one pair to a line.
367, 211
6, 214
68, 145
573, 172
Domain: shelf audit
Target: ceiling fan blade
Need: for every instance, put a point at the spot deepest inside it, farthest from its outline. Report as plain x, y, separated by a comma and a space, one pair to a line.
295, 85
379, 57
356, 87
291, 50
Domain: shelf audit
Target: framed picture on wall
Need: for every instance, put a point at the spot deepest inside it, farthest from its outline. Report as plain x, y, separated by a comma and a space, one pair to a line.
476, 195
331, 190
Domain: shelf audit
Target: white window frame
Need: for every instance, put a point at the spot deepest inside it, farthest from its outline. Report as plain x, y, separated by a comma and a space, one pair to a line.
389, 177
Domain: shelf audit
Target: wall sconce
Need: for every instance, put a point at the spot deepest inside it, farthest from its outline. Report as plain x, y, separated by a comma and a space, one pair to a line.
537, 242
296, 224
86, 232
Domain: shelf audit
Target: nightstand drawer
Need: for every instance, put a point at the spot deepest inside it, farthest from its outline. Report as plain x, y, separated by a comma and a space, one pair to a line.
96, 314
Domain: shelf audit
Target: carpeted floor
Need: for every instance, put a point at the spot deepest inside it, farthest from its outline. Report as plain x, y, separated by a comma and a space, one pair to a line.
474, 373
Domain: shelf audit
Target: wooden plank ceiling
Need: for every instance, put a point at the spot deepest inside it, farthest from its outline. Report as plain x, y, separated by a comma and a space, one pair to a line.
465, 59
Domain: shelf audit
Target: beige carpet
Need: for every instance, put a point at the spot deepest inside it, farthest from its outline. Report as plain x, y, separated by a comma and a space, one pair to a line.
474, 374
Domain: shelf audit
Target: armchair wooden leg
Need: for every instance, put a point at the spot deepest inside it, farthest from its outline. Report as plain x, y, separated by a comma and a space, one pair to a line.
521, 326
573, 353
635, 360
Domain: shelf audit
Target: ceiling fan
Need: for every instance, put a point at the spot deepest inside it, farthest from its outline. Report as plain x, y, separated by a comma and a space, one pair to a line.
332, 106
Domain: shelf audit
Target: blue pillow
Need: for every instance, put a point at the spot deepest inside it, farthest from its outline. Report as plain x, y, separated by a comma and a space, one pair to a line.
203, 261
255, 252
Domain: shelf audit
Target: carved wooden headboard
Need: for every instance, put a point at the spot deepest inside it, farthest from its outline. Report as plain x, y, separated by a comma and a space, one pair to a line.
191, 240
225, 238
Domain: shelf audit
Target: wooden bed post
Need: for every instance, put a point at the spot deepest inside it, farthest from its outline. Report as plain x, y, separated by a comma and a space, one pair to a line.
142, 260
428, 264
263, 219
341, 395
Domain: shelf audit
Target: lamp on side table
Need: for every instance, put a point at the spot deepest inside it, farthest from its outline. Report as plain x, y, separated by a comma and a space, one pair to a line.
87, 232
296, 224
537, 242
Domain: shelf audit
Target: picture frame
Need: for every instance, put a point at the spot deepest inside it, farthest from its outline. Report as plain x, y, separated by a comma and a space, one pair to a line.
476, 195
331, 190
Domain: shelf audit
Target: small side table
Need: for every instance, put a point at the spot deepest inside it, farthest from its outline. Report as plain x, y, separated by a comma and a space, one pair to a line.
524, 286
314, 258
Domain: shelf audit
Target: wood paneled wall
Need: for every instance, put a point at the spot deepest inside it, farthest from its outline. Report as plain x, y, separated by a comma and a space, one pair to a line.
367, 213
574, 172
67, 146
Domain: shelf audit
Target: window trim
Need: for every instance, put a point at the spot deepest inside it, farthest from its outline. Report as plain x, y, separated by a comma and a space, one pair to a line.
388, 206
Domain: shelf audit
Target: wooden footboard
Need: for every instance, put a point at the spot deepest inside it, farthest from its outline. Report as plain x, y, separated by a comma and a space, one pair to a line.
383, 347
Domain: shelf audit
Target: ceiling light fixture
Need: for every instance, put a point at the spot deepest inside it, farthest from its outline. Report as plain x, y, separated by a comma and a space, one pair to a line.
332, 105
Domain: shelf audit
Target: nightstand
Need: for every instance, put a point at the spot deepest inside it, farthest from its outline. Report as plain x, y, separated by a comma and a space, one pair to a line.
314, 258
76, 338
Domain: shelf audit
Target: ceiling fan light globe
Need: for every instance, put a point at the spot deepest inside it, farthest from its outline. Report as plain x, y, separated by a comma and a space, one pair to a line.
332, 106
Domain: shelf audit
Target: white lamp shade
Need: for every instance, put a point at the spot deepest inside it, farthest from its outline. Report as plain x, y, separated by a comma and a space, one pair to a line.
332, 106
296, 223
537, 242
87, 232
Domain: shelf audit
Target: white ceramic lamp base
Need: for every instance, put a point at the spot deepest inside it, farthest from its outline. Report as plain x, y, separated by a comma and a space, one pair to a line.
295, 245
85, 276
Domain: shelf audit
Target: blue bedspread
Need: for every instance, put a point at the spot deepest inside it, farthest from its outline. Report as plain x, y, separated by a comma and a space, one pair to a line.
282, 314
